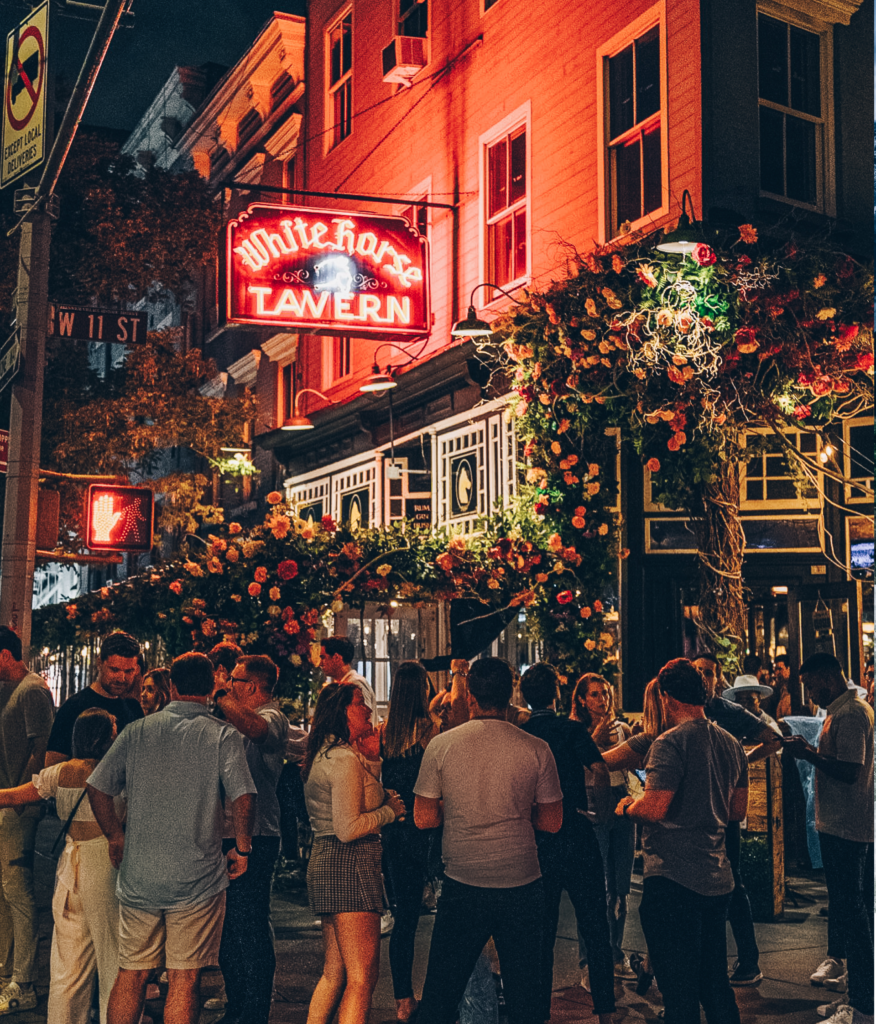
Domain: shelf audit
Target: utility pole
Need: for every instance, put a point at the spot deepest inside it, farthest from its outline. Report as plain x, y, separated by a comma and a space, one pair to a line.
18, 552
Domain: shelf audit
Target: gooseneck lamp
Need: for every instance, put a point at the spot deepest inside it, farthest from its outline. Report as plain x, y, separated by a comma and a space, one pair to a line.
473, 326
686, 235
297, 421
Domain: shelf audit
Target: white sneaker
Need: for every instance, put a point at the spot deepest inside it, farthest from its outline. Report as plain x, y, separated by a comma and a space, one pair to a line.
828, 968
839, 984
585, 978
622, 969
829, 1009
14, 1000
843, 1015
216, 1003
386, 922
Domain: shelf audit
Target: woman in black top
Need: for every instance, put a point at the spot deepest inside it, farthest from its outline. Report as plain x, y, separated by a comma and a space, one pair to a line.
404, 736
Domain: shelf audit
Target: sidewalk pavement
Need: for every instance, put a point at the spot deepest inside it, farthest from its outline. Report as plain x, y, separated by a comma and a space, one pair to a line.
790, 950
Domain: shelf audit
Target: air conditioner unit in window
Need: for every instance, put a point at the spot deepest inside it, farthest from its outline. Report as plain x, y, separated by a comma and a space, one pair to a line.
403, 58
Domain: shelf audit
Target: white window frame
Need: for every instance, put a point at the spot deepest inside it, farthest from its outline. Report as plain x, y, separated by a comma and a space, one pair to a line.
748, 550
853, 496
398, 19
331, 140
825, 147
655, 15
774, 503
330, 379
521, 117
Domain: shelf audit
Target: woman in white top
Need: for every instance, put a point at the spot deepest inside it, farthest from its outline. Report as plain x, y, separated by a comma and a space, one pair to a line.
85, 941
347, 807
593, 704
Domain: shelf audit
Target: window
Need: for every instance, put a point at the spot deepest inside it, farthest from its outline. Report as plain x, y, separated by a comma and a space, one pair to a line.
506, 208
340, 42
791, 122
413, 18
858, 459
634, 127
769, 479
289, 386
341, 357
489, 3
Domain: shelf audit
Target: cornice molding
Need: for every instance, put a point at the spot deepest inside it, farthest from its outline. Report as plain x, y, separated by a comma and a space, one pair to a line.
245, 369
281, 348
833, 12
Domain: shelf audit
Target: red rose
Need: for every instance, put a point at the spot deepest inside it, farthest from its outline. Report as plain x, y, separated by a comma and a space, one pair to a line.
565, 596
864, 361
287, 570
802, 411
704, 255
328, 524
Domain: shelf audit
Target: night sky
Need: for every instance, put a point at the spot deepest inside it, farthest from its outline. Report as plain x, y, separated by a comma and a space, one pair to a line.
165, 33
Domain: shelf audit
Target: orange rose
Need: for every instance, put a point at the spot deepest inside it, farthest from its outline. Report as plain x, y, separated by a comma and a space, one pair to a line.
653, 465
274, 498
586, 613
254, 589
261, 574
234, 528
578, 522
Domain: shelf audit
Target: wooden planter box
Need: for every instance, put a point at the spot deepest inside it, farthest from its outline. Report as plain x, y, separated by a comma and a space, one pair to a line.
763, 846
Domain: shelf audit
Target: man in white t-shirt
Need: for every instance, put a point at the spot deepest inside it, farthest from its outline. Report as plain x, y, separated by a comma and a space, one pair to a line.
491, 785
337, 663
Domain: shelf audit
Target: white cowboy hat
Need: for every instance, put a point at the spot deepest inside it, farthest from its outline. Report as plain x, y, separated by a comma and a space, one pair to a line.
746, 684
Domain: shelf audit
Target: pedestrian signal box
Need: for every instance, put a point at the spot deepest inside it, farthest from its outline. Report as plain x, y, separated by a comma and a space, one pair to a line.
119, 518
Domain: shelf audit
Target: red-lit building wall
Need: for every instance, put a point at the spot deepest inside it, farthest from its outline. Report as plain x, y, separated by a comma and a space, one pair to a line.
541, 56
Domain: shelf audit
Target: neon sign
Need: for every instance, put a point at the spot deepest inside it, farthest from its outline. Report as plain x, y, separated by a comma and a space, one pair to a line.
326, 271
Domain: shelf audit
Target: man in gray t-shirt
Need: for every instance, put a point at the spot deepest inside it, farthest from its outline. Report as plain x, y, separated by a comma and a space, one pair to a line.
498, 785
176, 767
697, 781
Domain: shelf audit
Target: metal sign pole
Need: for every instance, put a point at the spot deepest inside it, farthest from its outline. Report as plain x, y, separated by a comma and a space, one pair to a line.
25, 430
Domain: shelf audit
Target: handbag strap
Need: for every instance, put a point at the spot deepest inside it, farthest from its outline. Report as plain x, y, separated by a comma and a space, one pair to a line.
68, 822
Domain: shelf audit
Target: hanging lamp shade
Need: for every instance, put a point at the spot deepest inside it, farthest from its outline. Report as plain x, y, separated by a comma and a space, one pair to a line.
471, 327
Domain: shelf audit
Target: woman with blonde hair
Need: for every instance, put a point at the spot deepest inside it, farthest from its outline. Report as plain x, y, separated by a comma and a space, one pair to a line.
408, 729
347, 807
593, 704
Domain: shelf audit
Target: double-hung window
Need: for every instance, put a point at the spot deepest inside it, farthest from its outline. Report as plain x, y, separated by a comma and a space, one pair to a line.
635, 127
413, 18
792, 124
340, 47
507, 228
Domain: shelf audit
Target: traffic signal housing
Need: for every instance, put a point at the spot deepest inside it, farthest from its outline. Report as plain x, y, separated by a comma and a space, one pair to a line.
119, 518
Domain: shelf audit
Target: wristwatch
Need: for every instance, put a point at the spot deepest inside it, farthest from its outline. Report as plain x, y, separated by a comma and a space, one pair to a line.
242, 853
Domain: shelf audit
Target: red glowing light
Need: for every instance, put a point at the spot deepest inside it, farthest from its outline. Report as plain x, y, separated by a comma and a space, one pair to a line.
327, 271
119, 518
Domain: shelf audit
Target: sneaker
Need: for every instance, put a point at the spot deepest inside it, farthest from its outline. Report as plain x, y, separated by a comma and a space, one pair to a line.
13, 999
842, 1015
623, 969
585, 978
829, 1009
829, 968
741, 976
839, 984
386, 923
216, 1003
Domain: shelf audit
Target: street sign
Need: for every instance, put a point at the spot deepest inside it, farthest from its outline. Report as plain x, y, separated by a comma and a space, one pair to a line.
90, 323
119, 518
24, 96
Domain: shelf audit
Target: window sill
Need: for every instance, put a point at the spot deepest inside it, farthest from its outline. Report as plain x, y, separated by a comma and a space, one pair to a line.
649, 221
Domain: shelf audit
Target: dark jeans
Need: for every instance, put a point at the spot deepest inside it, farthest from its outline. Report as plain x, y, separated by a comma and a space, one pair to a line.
570, 860
405, 852
687, 942
467, 916
845, 866
246, 954
293, 809
739, 912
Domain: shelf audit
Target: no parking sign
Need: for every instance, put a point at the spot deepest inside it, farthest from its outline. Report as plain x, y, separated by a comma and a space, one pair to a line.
24, 96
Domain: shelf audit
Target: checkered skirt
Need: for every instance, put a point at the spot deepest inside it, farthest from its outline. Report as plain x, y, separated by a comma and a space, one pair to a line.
345, 878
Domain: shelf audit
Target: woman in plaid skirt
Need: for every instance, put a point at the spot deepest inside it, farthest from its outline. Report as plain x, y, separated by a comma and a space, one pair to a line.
347, 807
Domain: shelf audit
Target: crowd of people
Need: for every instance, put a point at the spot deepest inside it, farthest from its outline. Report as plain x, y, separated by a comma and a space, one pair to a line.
174, 787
